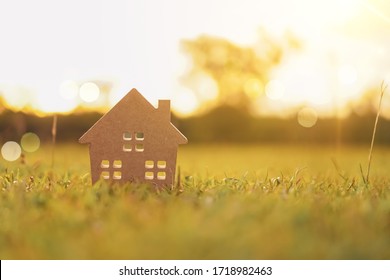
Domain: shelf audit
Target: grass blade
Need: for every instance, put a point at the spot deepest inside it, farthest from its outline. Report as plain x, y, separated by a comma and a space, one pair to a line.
383, 89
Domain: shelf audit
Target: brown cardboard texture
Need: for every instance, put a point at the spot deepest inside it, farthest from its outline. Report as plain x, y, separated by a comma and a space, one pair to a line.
134, 142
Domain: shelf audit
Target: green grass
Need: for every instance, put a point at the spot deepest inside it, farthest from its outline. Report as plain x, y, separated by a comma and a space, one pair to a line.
234, 202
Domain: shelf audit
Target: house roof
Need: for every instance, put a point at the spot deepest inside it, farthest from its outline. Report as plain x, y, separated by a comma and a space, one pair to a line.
135, 109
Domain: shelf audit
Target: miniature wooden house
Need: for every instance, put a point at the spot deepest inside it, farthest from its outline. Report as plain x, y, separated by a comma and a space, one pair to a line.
134, 142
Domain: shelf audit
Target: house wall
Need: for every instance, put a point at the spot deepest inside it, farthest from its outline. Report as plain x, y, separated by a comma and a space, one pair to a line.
150, 158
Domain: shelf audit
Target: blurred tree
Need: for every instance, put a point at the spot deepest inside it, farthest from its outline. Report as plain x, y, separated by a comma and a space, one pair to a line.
240, 73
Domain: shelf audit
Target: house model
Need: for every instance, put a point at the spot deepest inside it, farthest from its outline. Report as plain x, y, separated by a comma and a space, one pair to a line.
134, 142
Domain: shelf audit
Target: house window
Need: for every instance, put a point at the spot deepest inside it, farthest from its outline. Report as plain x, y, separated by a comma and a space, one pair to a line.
155, 170
126, 136
149, 164
105, 163
161, 164
161, 175
127, 147
117, 175
133, 143
139, 147
117, 164
139, 136
149, 175
105, 175
109, 170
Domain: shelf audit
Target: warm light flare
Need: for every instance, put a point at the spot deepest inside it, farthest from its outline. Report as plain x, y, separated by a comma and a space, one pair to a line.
275, 90
11, 151
30, 142
64, 100
205, 87
253, 88
185, 102
347, 75
89, 92
17, 96
69, 89
53, 103
307, 117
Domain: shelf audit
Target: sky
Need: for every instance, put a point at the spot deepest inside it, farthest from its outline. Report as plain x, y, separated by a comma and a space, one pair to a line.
51, 52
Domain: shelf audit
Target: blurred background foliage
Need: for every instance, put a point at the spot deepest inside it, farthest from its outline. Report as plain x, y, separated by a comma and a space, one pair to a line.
239, 72
229, 82
222, 124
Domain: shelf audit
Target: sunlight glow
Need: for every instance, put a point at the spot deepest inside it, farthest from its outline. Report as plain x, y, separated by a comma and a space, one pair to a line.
387, 78
185, 102
184, 63
348, 8
253, 87
30, 142
17, 96
375, 10
206, 88
53, 103
275, 90
11, 151
307, 117
347, 75
69, 90
341, 52
89, 92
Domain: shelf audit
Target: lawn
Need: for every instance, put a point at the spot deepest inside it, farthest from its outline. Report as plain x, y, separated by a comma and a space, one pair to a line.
232, 202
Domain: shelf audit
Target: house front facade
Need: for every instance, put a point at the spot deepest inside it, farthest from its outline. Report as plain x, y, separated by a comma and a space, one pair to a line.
134, 142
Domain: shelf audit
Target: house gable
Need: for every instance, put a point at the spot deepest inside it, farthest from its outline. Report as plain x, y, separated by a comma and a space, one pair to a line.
135, 111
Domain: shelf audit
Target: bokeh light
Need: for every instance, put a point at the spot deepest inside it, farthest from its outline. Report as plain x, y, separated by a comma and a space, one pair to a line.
11, 151
30, 142
307, 117
89, 92
69, 90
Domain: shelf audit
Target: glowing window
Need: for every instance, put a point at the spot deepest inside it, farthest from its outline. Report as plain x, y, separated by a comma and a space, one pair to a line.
161, 164
149, 164
117, 175
149, 175
117, 164
161, 175
105, 163
105, 175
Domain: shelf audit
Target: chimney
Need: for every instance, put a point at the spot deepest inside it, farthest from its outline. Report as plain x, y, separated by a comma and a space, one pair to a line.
164, 107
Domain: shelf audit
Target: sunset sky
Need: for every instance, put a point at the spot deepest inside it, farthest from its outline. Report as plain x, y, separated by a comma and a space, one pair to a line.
53, 52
